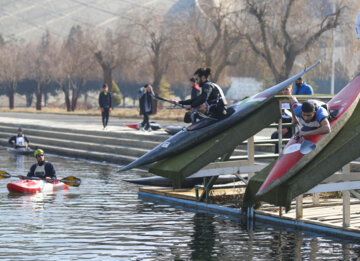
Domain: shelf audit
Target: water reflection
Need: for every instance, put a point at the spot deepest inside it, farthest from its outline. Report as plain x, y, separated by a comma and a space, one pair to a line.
203, 238
104, 219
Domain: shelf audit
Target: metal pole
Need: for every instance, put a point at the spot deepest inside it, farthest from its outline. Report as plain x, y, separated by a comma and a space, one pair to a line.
332, 90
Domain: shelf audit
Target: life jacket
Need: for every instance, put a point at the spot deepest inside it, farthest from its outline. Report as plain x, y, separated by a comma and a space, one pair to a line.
314, 123
40, 170
20, 140
217, 95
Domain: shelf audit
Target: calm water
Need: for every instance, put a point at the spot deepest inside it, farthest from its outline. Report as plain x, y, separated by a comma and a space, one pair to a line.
104, 219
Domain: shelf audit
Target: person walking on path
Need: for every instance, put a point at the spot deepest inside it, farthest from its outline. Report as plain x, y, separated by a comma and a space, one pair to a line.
301, 88
105, 104
145, 102
20, 140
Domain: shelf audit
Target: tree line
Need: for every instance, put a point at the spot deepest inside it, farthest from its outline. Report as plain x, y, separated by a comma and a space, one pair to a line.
261, 39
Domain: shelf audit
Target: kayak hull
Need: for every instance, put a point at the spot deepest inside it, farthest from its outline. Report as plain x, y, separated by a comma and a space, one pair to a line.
173, 129
189, 182
35, 186
21, 151
136, 126
292, 160
207, 128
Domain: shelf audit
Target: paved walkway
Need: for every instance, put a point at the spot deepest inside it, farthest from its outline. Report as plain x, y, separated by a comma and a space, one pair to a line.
83, 122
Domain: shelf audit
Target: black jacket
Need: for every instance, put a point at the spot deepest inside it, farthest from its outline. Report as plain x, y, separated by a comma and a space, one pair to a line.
210, 93
195, 91
145, 101
105, 100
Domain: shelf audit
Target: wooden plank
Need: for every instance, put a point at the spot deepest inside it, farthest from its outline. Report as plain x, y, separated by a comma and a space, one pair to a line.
228, 170
353, 176
258, 156
341, 186
267, 141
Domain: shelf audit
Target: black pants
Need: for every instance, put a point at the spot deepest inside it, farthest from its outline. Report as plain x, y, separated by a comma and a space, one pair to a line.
275, 135
218, 111
105, 116
145, 124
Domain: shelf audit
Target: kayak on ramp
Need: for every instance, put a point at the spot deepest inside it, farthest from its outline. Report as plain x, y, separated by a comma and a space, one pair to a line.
299, 151
207, 128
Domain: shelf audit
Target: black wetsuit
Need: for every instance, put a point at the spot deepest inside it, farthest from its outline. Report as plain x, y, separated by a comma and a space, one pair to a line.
105, 104
213, 97
43, 170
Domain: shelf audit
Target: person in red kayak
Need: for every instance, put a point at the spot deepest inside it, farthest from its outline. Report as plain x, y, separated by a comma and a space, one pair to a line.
312, 115
42, 169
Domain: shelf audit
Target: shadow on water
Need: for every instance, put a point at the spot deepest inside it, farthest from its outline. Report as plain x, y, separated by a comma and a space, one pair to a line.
203, 238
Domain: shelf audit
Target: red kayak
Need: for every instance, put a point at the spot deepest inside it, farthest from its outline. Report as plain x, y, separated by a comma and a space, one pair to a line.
34, 186
135, 126
292, 158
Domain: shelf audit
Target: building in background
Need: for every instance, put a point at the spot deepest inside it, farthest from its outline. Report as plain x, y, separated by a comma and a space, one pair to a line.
241, 87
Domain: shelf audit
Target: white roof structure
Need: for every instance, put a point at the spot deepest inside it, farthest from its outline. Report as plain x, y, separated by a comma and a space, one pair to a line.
243, 86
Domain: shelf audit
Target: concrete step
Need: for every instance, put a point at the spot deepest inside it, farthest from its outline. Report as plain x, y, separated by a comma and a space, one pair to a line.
150, 136
84, 154
113, 141
89, 146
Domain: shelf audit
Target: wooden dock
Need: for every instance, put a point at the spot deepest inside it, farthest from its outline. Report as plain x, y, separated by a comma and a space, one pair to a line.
324, 216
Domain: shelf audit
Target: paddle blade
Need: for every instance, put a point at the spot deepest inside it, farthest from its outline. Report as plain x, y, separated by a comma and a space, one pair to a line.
4, 175
307, 146
71, 181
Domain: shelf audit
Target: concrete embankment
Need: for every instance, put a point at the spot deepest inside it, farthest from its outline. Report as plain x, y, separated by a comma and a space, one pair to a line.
115, 147
83, 137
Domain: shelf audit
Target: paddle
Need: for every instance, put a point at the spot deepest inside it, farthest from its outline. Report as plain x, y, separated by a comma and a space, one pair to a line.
306, 145
182, 106
70, 181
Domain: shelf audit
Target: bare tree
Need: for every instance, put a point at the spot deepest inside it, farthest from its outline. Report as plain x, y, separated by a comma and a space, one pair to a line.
213, 37
39, 63
107, 56
152, 38
11, 70
79, 64
287, 29
113, 50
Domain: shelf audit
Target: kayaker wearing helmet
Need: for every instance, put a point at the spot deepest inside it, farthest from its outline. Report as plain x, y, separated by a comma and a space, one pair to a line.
20, 140
42, 168
211, 101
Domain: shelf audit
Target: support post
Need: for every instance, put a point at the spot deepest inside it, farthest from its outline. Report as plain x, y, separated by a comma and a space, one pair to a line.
346, 200
316, 199
251, 153
280, 130
299, 207
208, 183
